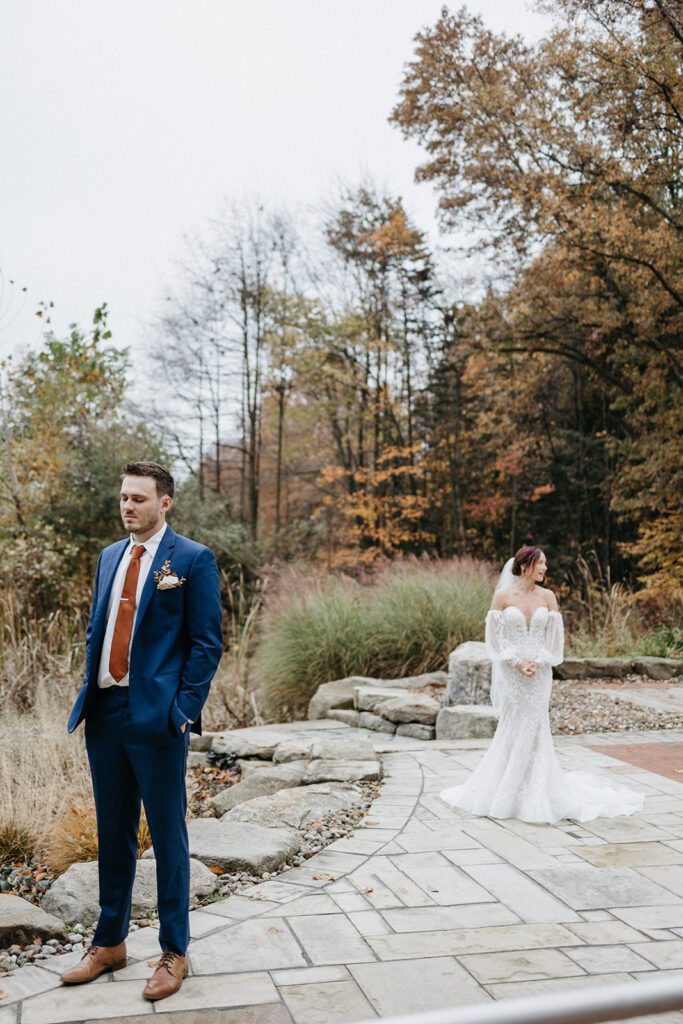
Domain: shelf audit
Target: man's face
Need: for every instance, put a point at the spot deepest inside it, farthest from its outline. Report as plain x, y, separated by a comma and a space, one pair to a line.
142, 510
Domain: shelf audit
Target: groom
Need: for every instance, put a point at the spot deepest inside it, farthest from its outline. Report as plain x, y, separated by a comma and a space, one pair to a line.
153, 644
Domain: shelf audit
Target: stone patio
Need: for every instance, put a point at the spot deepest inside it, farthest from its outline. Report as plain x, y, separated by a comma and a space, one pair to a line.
422, 907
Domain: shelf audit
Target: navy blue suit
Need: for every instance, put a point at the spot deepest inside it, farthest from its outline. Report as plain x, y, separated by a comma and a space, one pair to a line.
135, 746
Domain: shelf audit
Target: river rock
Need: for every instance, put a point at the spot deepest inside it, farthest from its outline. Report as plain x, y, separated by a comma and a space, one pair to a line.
75, 894
295, 808
340, 771
21, 922
240, 845
259, 783
413, 707
466, 721
376, 723
328, 748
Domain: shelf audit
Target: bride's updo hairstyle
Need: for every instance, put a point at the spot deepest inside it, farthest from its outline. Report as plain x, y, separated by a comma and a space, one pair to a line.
525, 556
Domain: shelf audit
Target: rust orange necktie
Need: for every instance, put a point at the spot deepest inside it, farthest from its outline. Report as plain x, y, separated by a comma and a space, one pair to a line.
118, 657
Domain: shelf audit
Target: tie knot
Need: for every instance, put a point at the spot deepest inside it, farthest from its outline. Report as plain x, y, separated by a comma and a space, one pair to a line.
138, 551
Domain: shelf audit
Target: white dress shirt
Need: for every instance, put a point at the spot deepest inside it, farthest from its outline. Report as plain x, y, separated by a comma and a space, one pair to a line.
104, 678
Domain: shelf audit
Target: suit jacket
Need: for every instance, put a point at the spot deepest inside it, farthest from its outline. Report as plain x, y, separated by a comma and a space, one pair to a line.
176, 645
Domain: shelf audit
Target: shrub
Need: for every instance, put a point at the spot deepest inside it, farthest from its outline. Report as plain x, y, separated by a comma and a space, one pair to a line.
403, 621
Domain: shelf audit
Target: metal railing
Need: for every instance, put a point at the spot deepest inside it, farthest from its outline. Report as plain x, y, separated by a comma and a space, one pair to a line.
585, 1006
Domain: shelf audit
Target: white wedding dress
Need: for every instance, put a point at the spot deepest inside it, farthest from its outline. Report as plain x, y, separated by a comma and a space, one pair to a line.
519, 775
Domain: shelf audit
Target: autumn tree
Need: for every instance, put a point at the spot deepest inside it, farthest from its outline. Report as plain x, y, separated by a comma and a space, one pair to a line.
564, 160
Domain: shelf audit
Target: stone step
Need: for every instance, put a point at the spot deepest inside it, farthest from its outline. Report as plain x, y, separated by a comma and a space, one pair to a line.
466, 721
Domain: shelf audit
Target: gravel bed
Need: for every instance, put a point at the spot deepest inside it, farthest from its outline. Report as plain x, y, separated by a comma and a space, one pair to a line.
576, 707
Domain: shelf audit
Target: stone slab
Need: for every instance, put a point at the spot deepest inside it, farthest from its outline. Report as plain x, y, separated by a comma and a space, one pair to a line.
369, 720
259, 783
460, 941
224, 990
79, 1002
466, 721
520, 965
417, 985
443, 882
629, 855
255, 945
524, 897
334, 1002
473, 915
584, 887
330, 939
295, 808
241, 845
608, 959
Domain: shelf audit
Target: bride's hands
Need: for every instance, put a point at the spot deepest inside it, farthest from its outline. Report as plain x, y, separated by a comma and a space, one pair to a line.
528, 668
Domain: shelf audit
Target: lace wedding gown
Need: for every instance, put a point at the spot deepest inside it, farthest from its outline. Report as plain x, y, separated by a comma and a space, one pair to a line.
519, 775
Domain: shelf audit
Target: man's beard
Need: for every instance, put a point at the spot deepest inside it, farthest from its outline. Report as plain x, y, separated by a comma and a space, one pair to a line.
140, 525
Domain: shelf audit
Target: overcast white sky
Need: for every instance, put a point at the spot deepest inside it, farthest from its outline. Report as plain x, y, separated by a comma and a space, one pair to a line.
125, 124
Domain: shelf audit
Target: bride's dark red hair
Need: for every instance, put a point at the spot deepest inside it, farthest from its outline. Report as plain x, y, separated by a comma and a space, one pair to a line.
527, 555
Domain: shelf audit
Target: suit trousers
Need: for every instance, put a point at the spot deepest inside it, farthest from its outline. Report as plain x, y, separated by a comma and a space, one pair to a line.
125, 774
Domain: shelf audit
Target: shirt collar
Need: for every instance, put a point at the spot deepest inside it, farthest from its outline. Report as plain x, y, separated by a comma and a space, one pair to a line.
152, 543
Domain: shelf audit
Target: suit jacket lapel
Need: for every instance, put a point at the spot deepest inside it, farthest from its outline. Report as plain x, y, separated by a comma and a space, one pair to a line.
164, 552
108, 574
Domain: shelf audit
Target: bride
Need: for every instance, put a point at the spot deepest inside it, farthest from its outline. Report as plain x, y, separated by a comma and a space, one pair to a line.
519, 775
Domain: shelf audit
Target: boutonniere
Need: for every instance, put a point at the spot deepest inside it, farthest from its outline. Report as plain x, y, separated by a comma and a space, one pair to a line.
166, 579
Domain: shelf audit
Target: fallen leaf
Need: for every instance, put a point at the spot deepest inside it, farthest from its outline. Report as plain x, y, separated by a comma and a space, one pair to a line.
368, 822
432, 888
324, 878
216, 870
273, 929
364, 892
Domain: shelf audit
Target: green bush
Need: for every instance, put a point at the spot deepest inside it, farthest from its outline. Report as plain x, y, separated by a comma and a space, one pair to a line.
664, 642
405, 621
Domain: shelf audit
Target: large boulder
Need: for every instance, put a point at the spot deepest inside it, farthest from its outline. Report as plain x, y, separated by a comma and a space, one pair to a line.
469, 674
74, 896
326, 748
413, 707
466, 722
241, 846
339, 692
340, 771
21, 922
295, 808
259, 783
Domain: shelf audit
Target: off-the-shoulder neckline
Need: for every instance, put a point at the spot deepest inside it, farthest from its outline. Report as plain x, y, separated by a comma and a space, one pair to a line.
528, 622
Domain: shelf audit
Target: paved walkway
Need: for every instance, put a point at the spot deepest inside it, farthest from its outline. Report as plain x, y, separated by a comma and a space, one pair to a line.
420, 908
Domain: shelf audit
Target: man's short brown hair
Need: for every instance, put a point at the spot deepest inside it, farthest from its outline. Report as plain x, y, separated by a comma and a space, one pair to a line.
163, 479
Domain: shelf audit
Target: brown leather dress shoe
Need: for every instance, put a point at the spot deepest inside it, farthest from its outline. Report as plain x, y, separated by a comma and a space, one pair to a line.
95, 961
168, 976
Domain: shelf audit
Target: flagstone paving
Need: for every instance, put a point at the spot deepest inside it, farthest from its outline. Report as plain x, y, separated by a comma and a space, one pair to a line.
423, 906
